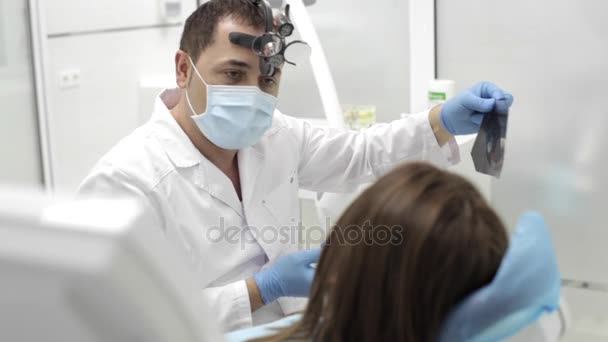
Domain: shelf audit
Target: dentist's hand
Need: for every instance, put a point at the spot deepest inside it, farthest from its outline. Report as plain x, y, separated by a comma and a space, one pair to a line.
463, 113
290, 276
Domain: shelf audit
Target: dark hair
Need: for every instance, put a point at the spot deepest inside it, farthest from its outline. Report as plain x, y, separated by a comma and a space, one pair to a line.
201, 26
441, 242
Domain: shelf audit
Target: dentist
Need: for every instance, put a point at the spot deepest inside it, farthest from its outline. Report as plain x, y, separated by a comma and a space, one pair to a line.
218, 168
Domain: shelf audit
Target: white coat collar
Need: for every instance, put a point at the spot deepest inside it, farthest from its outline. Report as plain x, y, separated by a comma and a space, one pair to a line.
182, 152
174, 141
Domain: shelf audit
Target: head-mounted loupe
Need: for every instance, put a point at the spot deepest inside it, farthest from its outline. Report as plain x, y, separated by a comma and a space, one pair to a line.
284, 25
271, 45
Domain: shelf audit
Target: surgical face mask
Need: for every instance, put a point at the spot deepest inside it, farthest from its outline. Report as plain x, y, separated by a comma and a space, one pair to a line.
236, 116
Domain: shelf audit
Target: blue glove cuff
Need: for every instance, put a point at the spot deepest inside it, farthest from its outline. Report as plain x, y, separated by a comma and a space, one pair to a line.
526, 285
269, 285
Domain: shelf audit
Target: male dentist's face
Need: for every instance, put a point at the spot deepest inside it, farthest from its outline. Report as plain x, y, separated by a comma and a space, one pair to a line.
224, 63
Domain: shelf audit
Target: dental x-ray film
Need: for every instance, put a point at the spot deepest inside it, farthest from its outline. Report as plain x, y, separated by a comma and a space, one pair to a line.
489, 148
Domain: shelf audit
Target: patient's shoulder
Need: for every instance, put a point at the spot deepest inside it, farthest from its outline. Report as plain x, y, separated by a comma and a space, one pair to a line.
262, 330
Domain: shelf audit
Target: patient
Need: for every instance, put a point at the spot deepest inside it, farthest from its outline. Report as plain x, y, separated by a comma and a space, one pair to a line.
399, 260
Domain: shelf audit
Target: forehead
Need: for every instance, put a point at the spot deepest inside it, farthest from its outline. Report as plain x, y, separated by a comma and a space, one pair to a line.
222, 47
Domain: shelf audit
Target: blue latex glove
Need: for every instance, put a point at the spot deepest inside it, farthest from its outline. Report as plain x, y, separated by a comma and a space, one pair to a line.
290, 276
463, 113
526, 285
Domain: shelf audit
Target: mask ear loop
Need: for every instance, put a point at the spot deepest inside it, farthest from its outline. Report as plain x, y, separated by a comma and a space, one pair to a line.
196, 70
194, 113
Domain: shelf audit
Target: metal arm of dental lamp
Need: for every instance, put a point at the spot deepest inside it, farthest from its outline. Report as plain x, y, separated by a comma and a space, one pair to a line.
318, 61
323, 78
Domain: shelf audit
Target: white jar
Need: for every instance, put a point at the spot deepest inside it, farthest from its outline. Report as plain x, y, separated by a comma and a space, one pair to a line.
440, 91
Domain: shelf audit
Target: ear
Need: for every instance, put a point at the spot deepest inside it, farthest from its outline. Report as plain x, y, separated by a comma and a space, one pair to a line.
182, 69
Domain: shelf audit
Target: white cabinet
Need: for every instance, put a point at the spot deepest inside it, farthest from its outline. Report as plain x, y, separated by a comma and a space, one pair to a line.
98, 51
74, 16
86, 121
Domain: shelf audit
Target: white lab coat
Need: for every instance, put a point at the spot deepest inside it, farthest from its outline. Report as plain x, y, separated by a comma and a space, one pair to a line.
196, 205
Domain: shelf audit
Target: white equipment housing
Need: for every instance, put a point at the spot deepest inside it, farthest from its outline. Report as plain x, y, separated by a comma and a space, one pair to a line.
92, 271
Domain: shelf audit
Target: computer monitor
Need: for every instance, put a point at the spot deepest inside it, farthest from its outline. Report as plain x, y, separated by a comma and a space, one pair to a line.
91, 271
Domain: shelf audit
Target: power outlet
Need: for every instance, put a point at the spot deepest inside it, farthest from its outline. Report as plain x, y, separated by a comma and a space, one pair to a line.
69, 79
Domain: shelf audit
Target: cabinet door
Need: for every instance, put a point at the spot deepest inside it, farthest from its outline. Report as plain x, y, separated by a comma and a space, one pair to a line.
21, 162
77, 16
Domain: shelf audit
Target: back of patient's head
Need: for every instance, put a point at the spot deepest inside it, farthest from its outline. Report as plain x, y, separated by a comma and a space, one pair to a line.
404, 254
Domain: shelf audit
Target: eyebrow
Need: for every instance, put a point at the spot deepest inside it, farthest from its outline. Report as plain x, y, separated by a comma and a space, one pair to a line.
236, 63
242, 64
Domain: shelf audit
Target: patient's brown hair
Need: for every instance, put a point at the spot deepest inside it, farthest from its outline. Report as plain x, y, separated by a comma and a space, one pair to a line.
409, 249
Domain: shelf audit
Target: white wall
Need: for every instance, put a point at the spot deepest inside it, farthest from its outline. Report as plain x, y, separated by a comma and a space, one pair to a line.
367, 47
20, 163
552, 54
111, 45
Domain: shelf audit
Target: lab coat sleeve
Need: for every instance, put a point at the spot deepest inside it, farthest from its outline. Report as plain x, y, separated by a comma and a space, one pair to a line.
333, 160
231, 305
107, 181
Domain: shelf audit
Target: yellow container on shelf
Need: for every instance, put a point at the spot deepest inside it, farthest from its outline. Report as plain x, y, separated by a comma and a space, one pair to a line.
359, 117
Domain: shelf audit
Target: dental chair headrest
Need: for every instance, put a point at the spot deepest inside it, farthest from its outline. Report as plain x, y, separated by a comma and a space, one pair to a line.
526, 285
